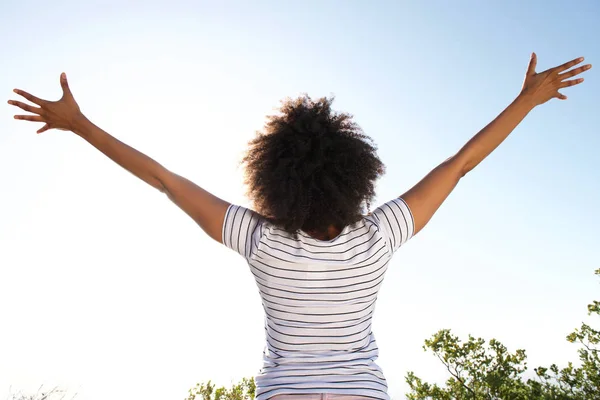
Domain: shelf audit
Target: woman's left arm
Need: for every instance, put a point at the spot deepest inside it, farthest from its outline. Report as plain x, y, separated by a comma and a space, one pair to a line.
206, 209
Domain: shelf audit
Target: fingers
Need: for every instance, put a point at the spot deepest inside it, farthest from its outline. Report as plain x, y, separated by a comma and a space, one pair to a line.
567, 65
43, 128
35, 118
560, 96
532, 64
575, 71
29, 97
25, 107
570, 83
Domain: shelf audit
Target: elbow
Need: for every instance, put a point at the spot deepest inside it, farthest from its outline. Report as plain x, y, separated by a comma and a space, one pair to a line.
157, 180
463, 164
157, 184
459, 166
468, 166
465, 169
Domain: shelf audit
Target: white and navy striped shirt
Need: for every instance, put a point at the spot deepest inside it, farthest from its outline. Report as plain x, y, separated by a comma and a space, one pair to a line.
319, 297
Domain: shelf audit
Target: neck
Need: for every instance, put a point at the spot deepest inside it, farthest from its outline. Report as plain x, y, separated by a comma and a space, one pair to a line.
331, 233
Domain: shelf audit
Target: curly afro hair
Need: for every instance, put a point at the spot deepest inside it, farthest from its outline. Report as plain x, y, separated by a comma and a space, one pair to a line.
311, 167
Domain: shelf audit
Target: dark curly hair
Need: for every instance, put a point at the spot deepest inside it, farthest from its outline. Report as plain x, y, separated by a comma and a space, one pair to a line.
311, 167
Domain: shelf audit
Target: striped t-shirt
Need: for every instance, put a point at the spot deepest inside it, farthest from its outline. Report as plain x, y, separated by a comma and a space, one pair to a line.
319, 297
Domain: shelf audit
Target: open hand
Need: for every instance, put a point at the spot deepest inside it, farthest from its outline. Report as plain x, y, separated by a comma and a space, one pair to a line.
62, 114
541, 87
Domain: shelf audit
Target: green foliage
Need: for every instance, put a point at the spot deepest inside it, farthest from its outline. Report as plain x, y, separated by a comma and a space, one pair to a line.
480, 371
245, 390
491, 372
476, 371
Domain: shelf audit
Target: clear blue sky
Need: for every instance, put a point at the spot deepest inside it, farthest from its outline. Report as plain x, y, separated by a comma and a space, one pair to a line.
112, 291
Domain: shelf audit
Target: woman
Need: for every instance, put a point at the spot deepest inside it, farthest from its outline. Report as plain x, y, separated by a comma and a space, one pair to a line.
318, 261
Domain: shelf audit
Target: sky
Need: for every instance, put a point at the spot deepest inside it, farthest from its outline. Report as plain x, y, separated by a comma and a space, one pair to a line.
110, 291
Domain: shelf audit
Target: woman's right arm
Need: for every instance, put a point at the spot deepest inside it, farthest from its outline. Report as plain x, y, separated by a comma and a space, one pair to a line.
427, 196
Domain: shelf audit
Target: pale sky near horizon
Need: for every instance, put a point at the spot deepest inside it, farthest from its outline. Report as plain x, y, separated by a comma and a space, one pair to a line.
111, 291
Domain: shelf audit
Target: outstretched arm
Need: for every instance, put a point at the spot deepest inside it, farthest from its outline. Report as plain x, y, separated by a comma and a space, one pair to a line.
206, 209
428, 195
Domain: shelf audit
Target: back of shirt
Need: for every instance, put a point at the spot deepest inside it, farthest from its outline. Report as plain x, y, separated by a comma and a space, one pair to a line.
319, 298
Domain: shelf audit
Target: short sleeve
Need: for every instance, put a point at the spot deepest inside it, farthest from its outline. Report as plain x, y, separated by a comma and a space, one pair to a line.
242, 229
395, 221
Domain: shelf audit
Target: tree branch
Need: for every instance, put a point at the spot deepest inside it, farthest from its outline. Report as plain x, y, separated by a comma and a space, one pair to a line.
455, 375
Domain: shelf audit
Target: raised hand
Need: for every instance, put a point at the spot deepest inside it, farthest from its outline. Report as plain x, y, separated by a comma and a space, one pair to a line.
543, 86
62, 114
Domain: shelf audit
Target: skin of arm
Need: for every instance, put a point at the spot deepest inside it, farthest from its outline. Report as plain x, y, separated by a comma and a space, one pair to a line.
427, 196
203, 207
206, 209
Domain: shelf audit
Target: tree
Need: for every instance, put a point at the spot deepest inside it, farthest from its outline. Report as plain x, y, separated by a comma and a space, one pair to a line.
581, 382
55, 393
481, 371
491, 372
477, 371
245, 390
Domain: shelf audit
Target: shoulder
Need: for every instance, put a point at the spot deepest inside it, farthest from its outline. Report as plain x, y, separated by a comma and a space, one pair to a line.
242, 228
394, 220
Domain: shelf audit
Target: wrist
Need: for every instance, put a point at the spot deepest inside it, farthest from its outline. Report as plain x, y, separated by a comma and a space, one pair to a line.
81, 125
526, 100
